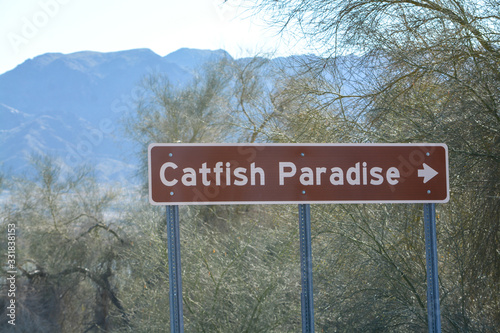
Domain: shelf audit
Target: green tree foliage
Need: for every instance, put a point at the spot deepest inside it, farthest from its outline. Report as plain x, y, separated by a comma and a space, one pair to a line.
428, 72
240, 271
67, 248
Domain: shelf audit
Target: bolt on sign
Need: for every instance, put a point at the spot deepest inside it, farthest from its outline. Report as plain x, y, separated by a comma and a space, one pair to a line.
189, 174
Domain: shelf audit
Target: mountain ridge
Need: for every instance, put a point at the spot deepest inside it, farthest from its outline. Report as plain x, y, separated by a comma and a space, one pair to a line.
70, 105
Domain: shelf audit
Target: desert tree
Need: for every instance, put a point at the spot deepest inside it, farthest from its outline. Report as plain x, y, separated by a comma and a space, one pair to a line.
421, 71
240, 273
68, 241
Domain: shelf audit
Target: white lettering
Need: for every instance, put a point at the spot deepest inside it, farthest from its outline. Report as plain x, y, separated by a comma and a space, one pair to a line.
286, 174
204, 174
241, 178
376, 173
189, 177
364, 173
337, 176
228, 173
162, 174
353, 171
254, 170
307, 176
218, 171
391, 174
319, 171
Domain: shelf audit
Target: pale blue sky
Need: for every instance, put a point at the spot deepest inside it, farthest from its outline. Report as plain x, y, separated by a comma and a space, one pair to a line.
32, 27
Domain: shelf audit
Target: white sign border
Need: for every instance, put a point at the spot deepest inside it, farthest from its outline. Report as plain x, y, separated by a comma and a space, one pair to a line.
209, 203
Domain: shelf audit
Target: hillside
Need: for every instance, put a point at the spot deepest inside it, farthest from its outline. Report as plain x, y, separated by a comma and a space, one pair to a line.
71, 105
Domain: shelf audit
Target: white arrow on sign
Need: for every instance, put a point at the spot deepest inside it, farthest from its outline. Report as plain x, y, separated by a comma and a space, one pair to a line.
427, 173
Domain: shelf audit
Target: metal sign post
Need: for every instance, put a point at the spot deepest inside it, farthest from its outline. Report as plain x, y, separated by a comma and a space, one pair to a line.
174, 269
220, 174
307, 304
433, 310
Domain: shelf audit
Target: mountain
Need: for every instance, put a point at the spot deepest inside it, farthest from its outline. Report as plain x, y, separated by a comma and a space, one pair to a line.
190, 58
71, 105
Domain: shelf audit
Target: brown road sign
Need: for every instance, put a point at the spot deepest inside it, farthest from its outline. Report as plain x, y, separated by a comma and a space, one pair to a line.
297, 173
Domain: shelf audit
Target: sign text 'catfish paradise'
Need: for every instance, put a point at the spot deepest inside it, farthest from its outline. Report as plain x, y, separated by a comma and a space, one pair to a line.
297, 173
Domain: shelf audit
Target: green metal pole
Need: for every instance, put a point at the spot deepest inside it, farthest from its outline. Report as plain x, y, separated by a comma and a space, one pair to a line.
307, 304
433, 308
174, 270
